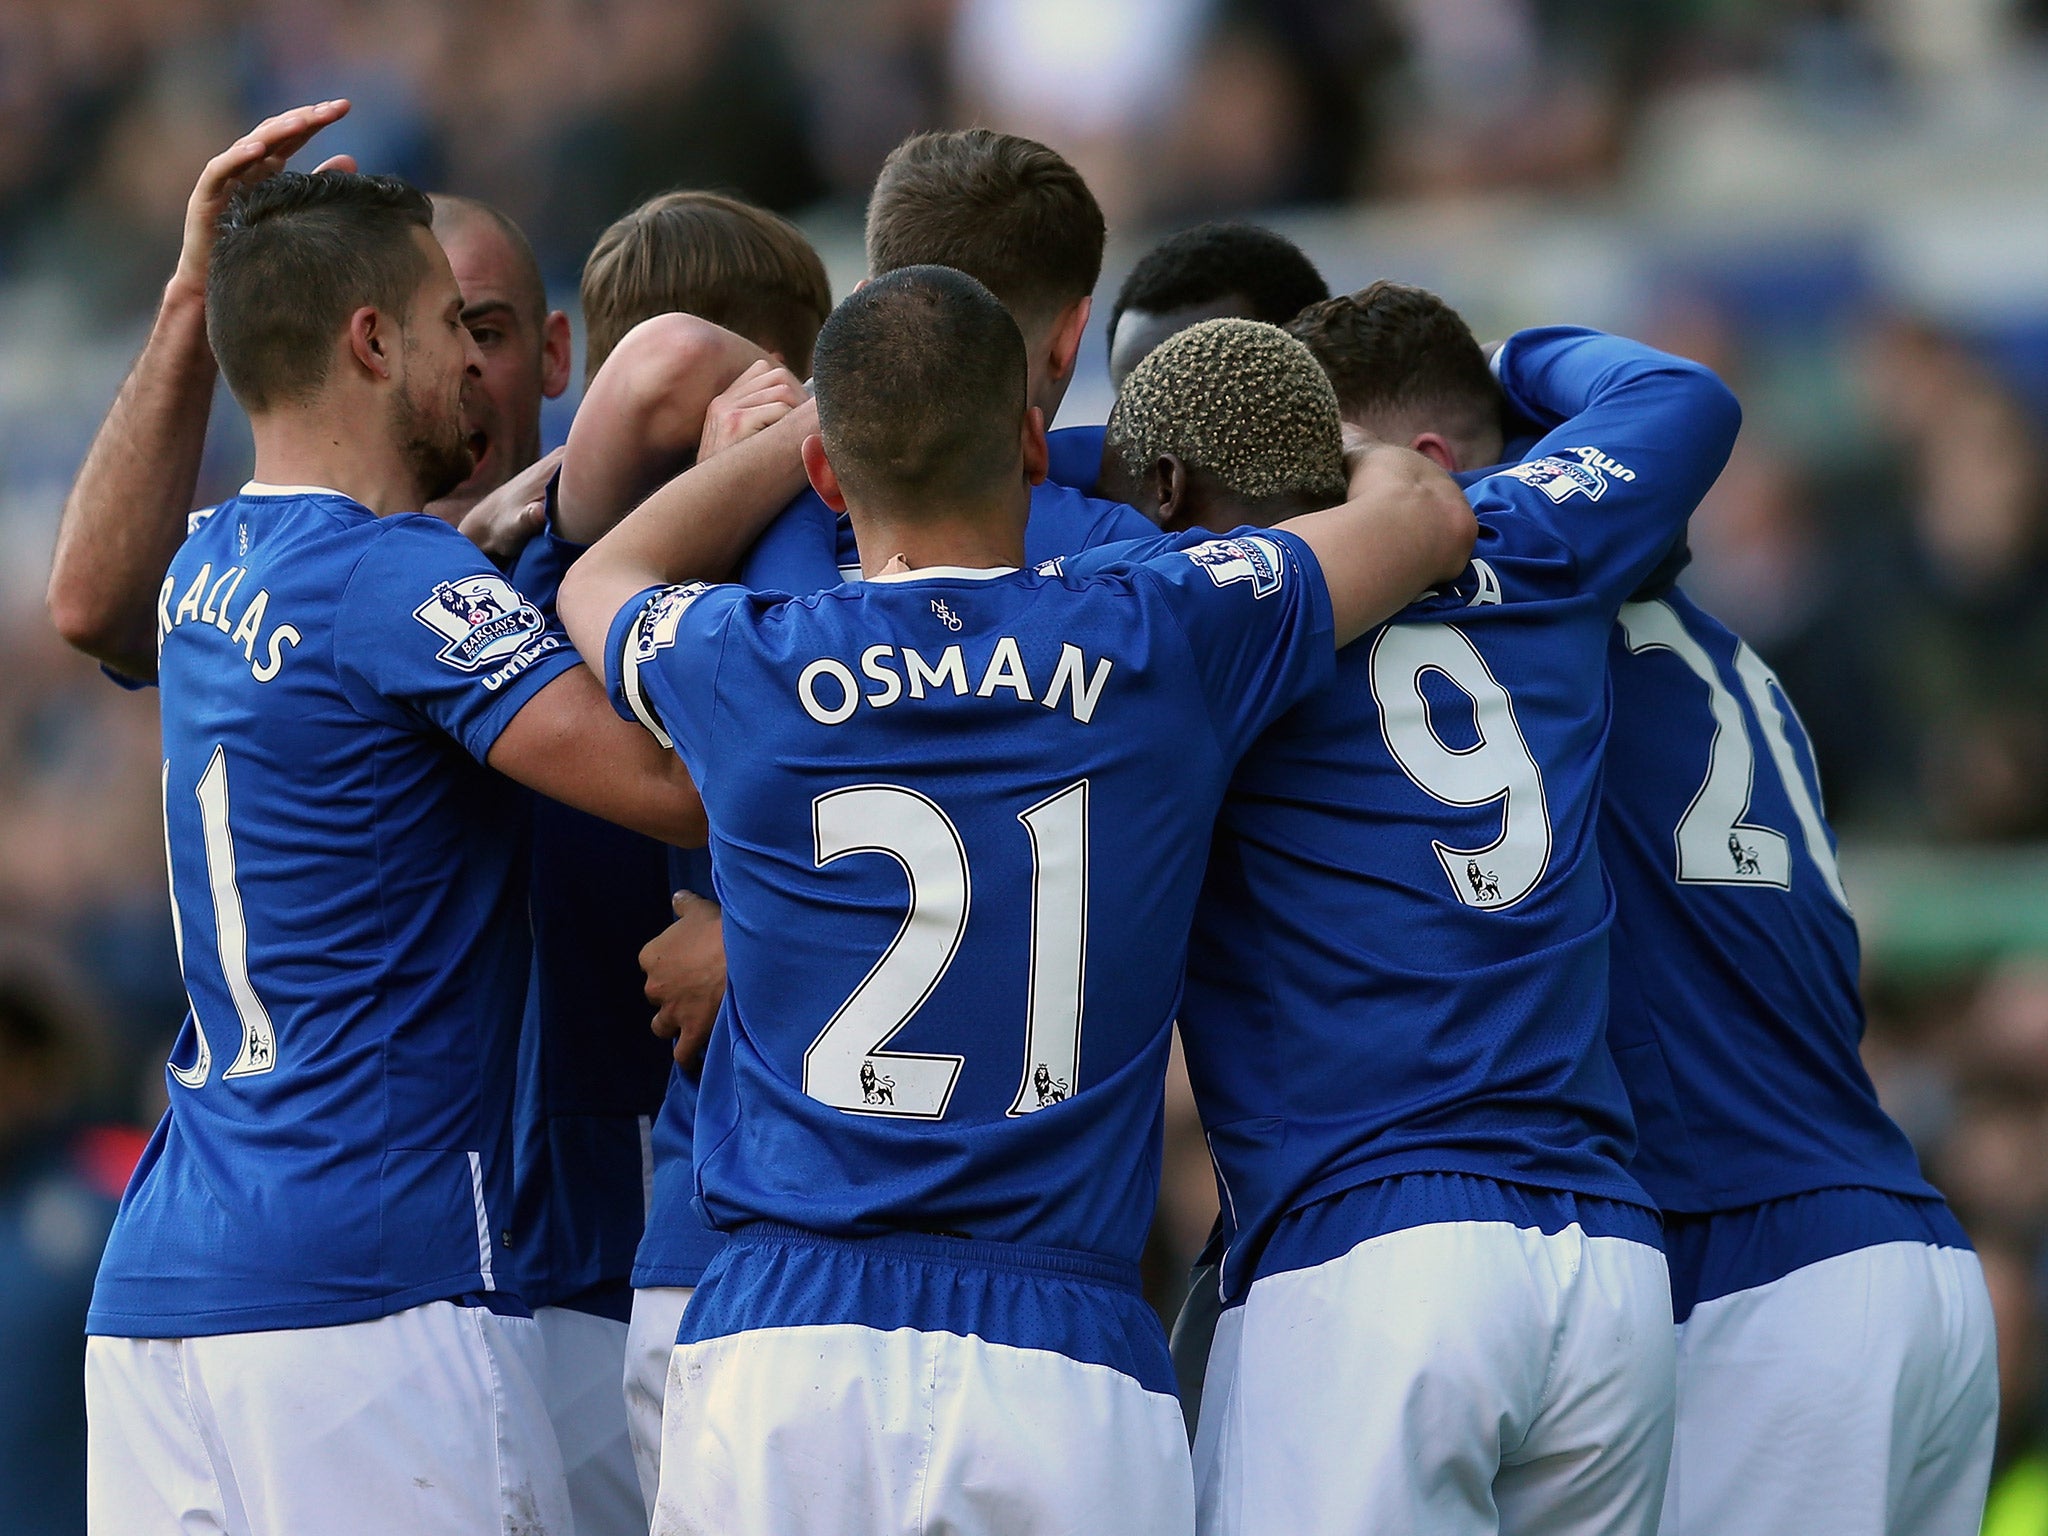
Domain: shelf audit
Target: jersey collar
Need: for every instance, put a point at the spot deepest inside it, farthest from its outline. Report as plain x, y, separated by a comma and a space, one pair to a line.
948, 573
258, 488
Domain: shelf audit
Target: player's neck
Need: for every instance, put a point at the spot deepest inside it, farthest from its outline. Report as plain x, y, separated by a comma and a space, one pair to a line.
321, 447
975, 538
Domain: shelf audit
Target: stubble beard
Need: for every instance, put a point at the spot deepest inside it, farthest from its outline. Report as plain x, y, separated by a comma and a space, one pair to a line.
433, 443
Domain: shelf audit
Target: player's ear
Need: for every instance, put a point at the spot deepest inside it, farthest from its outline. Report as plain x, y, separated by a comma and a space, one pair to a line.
1169, 485
554, 354
823, 480
1037, 457
1438, 449
372, 340
1064, 348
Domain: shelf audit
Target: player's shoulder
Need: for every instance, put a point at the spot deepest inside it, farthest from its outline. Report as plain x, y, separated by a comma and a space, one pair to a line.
1197, 568
1065, 519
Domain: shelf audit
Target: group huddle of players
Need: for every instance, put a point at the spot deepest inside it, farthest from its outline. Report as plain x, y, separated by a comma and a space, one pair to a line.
1336, 705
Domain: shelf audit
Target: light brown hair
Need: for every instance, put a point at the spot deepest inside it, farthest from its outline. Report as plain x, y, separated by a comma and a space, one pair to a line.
704, 254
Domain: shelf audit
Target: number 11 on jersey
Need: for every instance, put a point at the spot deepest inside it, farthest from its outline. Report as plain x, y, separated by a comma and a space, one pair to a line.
231, 932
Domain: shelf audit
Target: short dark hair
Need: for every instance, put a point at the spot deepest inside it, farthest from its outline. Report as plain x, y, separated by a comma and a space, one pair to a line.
295, 257
1391, 347
1007, 211
1214, 261
451, 210
920, 378
716, 257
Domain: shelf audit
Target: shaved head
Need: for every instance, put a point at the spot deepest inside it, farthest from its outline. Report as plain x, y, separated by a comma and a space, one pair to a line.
460, 221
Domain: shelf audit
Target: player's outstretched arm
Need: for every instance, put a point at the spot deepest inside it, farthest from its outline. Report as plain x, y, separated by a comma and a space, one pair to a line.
644, 418
126, 515
1405, 528
567, 743
702, 520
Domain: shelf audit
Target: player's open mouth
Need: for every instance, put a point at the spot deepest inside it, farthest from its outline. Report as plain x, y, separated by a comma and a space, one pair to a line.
479, 445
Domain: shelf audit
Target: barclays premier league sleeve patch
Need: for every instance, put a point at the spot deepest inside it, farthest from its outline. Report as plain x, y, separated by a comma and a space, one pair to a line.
482, 620
1250, 558
1562, 478
654, 631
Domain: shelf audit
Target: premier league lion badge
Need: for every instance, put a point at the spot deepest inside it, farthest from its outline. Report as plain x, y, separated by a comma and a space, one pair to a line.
1249, 559
482, 619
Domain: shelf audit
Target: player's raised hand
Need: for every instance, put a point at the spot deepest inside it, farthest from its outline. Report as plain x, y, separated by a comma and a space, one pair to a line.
685, 966
758, 398
501, 523
257, 156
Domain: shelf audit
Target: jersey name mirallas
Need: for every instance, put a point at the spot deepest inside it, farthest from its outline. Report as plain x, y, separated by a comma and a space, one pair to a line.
1400, 960
958, 826
1736, 1017
809, 548
348, 885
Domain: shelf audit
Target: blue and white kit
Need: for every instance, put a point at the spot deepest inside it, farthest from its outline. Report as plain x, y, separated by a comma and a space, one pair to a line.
1835, 1365
1396, 1011
945, 1118
348, 882
590, 1083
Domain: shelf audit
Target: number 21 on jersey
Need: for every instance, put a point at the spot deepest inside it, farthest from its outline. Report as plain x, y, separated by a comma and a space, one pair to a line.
1715, 843
847, 1066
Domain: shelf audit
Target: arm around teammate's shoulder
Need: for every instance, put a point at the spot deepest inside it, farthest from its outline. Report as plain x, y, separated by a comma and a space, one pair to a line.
642, 418
1405, 528
569, 744
704, 518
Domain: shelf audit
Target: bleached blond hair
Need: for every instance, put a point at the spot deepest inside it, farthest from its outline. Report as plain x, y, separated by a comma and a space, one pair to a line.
1244, 401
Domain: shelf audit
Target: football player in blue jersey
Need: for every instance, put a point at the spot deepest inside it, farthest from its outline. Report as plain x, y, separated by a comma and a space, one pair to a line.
603, 1097
1835, 1353
1446, 1307
1010, 213
1207, 273
931, 1109
589, 1074
302, 1321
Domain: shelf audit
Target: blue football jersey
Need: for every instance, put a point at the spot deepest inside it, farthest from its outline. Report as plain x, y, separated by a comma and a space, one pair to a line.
591, 1073
1736, 1018
958, 827
1400, 959
1074, 457
348, 881
809, 548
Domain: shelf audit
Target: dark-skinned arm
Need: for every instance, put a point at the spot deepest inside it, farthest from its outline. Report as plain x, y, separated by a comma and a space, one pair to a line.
1405, 528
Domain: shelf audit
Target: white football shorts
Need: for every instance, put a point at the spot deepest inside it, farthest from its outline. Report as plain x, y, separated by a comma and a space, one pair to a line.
650, 1340
430, 1421
586, 1357
1461, 1378
920, 1385
1856, 1396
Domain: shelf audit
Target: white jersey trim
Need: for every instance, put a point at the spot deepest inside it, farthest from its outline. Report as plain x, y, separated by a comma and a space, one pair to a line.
947, 572
483, 1220
259, 488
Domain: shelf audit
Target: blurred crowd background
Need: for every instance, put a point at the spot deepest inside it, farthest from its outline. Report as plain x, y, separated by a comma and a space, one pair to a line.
1838, 203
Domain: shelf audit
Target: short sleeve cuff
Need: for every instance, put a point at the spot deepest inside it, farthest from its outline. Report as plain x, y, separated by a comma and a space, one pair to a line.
625, 647
552, 655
